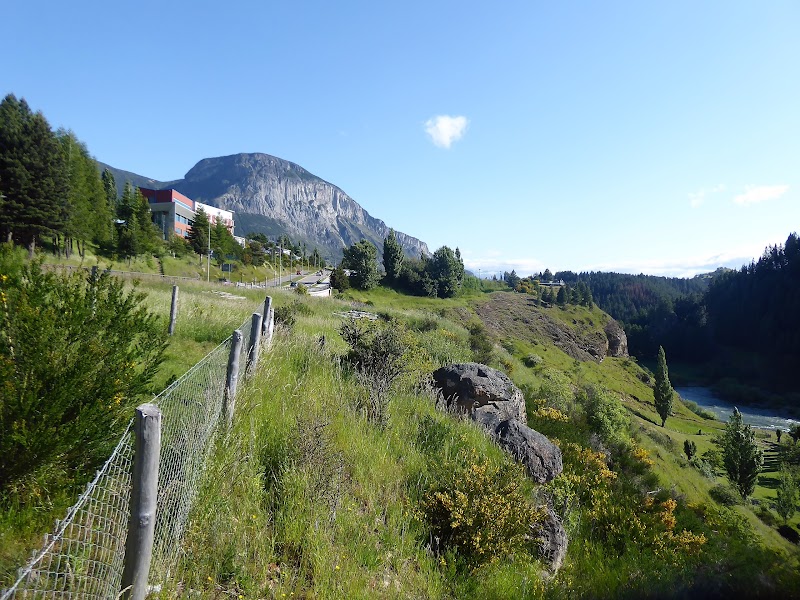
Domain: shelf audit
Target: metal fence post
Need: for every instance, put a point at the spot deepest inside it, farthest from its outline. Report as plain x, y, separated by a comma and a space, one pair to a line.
141, 526
254, 343
232, 377
173, 311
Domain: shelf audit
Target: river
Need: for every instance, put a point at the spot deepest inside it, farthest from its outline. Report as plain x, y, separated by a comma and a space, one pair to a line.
757, 417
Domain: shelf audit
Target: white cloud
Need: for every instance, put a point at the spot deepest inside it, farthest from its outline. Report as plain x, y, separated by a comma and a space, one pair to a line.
755, 194
444, 129
696, 199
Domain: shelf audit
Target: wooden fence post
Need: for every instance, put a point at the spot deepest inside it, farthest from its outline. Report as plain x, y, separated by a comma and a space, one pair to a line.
173, 311
265, 314
254, 343
232, 377
142, 522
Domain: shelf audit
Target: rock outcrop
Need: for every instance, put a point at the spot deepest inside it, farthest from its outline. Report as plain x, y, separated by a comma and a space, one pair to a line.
617, 340
492, 400
540, 457
551, 539
467, 386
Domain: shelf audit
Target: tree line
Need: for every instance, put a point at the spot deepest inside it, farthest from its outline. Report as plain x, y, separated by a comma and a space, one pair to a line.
441, 275
52, 194
754, 309
548, 290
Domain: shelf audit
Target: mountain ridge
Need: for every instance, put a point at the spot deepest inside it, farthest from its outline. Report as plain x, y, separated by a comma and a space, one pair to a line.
275, 196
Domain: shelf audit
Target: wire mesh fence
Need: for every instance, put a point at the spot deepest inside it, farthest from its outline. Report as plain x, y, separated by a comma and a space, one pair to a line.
84, 557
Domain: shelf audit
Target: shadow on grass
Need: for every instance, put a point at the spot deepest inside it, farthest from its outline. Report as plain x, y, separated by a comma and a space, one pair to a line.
790, 533
768, 482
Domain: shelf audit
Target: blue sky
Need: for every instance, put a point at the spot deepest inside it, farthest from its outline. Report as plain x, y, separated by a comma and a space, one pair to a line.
632, 136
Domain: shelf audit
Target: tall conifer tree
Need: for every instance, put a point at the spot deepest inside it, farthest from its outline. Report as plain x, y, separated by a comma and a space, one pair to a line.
392, 257
740, 454
662, 392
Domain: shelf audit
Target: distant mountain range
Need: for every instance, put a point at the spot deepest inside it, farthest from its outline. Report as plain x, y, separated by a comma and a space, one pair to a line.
274, 196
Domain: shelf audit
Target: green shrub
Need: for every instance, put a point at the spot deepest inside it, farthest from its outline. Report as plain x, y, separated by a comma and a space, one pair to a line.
532, 360
379, 356
689, 448
287, 315
724, 494
480, 344
556, 391
702, 465
606, 415
701, 412
76, 356
767, 516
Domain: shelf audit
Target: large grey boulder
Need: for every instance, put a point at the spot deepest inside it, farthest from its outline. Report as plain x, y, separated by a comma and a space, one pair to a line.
540, 456
466, 386
551, 540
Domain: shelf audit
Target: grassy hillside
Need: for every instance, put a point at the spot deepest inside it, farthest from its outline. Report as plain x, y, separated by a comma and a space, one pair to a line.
309, 497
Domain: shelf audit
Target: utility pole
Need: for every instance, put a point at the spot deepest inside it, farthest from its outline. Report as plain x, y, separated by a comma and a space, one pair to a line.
208, 269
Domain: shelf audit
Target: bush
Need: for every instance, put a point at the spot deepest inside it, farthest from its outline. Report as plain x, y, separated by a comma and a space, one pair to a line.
480, 344
701, 412
287, 315
479, 509
378, 354
767, 516
724, 494
689, 448
532, 360
605, 415
76, 356
702, 465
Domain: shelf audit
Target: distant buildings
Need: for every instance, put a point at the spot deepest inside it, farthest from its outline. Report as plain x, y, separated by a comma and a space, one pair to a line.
171, 210
174, 212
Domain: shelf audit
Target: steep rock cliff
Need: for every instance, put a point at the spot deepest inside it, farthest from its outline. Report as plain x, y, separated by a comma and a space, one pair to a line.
274, 196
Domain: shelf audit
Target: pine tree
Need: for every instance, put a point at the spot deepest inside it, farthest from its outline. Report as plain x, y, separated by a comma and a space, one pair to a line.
740, 454
33, 174
392, 257
128, 238
561, 297
460, 267
362, 260
785, 502
198, 234
339, 279
110, 192
662, 392
87, 214
149, 233
444, 269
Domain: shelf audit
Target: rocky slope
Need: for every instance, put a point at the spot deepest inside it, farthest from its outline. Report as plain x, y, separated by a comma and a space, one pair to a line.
274, 196
510, 315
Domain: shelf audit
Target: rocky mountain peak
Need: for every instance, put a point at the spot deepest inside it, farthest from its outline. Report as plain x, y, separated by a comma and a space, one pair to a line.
275, 196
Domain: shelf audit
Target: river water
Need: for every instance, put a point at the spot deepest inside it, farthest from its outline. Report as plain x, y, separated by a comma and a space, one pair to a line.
757, 417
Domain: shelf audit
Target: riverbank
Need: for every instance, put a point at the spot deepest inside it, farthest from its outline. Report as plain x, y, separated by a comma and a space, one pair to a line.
757, 416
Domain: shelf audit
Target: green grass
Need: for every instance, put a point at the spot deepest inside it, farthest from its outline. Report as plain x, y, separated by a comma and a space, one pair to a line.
304, 497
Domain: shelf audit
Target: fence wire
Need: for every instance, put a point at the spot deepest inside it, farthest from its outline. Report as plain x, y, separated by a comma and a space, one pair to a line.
83, 558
